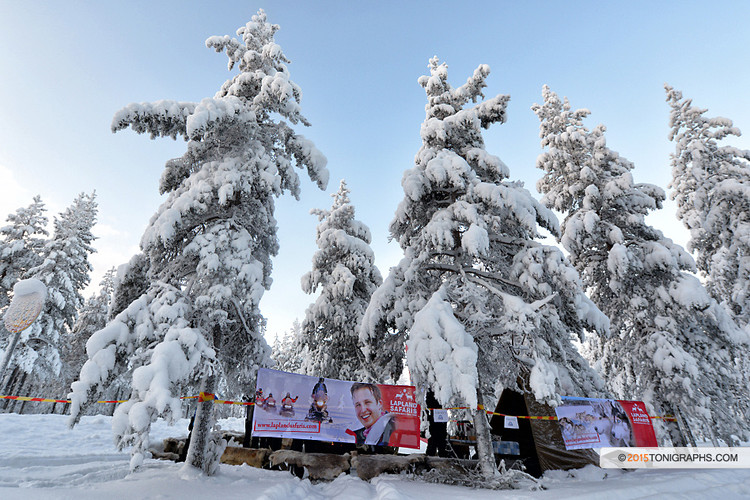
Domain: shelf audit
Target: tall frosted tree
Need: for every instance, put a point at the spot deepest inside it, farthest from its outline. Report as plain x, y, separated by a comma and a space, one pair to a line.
22, 240
209, 245
672, 345
64, 269
130, 282
23, 237
92, 317
288, 351
484, 306
344, 272
711, 185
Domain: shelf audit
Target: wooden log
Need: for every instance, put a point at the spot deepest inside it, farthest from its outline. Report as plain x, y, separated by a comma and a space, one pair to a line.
370, 466
318, 465
254, 457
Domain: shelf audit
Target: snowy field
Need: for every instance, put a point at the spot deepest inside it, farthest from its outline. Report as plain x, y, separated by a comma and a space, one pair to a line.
41, 458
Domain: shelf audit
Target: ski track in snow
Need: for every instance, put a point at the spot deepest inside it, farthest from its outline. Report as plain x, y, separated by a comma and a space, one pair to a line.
40, 458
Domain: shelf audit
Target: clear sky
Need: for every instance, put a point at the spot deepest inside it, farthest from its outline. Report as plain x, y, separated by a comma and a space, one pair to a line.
67, 67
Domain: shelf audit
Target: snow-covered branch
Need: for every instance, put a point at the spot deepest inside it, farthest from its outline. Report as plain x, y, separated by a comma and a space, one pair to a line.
159, 119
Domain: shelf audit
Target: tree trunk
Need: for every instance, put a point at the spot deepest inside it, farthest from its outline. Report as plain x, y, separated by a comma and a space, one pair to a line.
485, 452
675, 434
201, 432
10, 387
21, 390
197, 455
680, 427
6, 361
16, 406
711, 428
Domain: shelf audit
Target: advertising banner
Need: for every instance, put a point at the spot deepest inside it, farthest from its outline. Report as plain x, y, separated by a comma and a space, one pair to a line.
290, 405
597, 423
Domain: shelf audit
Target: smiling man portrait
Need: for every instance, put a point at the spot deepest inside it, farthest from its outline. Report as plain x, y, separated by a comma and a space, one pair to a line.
378, 425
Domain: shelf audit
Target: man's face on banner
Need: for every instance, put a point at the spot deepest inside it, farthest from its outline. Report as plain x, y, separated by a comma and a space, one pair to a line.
367, 408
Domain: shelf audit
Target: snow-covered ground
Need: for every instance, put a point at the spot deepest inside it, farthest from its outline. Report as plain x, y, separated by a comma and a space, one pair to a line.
41, 458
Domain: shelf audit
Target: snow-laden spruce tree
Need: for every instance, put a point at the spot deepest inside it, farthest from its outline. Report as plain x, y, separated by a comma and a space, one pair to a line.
344, 272
129, 283
288, 352
485, 306
209, 246
22, 240
64, 269
672, 345
92, 317
21, 246
711, 185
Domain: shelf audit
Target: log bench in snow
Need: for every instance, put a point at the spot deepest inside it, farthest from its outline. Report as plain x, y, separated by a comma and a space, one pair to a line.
325, 466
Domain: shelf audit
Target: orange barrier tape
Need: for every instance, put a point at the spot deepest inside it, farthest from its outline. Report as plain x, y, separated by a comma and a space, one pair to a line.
207, 396
521, 416
43, 400
202, 397
480, 408
226, 402
668, 418
48, 400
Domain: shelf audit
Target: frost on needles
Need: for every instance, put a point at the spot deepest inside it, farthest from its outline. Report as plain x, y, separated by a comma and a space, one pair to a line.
711, 186
480, 303
672, 345
209, 246
61, 262
344, 272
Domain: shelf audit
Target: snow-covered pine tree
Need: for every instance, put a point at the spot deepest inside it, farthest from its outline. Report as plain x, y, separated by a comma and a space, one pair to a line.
21, 246
672, 345
485, 305
20, 250
209, 245
65, 271
711, 185
343, 270
288, 351
92, 317
130, 282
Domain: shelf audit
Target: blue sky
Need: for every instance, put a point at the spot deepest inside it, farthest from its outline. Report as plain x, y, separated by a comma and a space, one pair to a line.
67, 67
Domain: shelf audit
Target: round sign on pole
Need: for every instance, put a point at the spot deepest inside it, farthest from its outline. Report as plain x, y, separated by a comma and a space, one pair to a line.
28, 300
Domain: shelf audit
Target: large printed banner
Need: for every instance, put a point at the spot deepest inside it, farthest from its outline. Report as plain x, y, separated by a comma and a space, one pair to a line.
297, 406
594, 423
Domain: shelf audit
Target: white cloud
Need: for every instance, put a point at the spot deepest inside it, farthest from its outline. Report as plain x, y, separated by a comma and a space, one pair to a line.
108, 255
12, 194
106, 231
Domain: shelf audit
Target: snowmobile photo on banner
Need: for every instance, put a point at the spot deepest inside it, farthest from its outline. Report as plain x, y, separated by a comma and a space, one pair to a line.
339, 411
319, 407
287, 405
